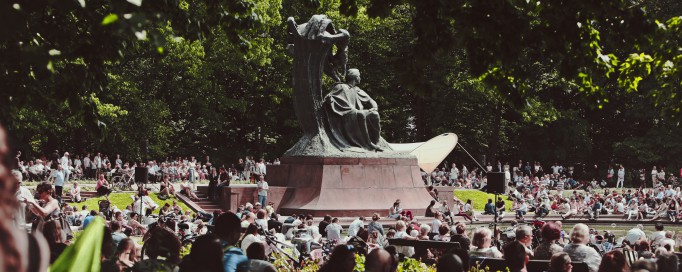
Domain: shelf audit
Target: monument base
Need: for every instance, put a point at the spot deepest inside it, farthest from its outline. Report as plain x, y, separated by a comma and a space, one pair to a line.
348, 186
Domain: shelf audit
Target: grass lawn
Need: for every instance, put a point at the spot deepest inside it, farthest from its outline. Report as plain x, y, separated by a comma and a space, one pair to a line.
121, 200
478, 198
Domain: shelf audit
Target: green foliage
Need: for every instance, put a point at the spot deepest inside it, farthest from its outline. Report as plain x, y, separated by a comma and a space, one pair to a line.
410, 264
478, 198
185, 250
477, 268
359, 263
579, 81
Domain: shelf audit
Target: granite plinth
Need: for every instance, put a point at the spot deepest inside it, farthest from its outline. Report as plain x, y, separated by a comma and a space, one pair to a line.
348, 186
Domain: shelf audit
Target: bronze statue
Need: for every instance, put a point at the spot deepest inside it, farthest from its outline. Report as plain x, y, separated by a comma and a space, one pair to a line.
345, 123
353, 115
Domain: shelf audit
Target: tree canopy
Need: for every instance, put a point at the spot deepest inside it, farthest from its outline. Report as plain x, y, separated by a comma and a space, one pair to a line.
569, 81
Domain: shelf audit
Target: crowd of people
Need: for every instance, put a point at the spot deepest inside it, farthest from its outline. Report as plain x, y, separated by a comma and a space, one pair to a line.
569, 177
65, 166
60, 169
515, 245
532, 190
248, 238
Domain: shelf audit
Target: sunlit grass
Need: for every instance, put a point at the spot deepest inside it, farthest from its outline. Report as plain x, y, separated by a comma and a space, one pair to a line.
478, 198
121, 200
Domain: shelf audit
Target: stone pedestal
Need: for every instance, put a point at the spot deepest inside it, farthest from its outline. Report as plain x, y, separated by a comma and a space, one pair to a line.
348, 186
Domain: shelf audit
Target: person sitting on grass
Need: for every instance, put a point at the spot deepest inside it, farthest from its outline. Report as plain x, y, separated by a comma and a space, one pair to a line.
138, 229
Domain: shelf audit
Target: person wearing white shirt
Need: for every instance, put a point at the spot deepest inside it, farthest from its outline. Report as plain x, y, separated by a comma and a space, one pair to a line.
621, 176
635, 234
96, 165
522, 209
251, 237
435, 224
660, 194
77, 162
354, 227
334, 230
64, 161
670, 192
620, 208
658, 235
262, 190
262, 167
21, 194
76, 192
314, 230
454, 173
661, 175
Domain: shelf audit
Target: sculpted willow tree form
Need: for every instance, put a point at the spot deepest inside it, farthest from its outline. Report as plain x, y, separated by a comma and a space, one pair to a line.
346, 121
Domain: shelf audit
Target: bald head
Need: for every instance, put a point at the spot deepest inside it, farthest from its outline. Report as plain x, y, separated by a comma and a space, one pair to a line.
379, 260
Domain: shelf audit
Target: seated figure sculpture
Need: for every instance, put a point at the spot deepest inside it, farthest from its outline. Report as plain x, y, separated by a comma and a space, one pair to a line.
353, 116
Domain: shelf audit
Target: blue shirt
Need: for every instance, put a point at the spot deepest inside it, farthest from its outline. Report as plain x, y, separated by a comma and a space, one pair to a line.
58, 178
117, 237
87, 221
233, 257
489, 208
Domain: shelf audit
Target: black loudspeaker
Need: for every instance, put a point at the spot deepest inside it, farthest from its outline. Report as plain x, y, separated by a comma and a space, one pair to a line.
141, 174
496, 184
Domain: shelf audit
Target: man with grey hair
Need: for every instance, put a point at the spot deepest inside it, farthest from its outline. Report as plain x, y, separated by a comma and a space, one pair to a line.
578, 249
524, 234
21, 194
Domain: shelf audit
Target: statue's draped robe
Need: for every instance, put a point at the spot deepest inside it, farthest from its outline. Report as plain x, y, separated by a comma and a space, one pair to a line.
351, 122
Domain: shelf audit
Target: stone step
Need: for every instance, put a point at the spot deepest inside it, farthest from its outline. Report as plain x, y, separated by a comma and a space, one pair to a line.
210, 207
